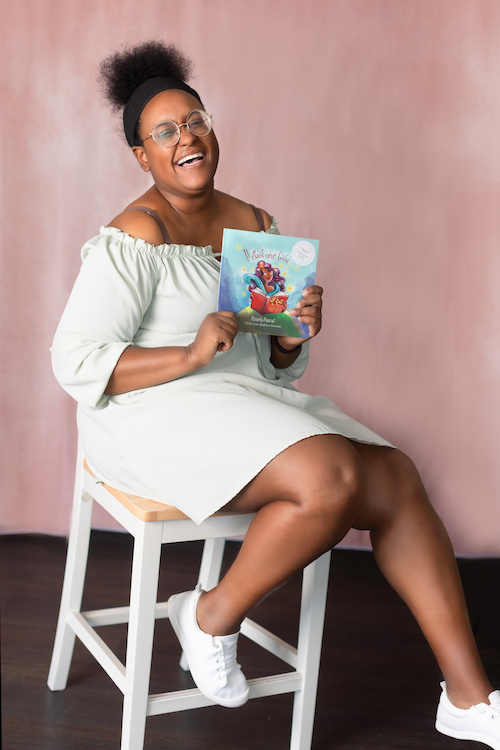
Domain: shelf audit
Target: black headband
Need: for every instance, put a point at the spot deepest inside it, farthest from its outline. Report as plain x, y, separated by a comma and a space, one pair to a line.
141, 97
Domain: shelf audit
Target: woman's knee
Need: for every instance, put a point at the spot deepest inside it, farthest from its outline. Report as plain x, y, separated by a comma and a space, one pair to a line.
394, 486
321, 475
402, 476
332, 480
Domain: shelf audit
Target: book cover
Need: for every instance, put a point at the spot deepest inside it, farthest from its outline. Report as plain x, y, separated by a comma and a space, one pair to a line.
262, 277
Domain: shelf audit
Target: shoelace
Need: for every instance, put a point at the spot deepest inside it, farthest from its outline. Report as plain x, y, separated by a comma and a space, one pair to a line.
226, 658
483, 708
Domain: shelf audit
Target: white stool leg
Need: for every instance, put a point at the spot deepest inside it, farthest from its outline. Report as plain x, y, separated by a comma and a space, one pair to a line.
74, 579
211, 563
143, 595
312, 616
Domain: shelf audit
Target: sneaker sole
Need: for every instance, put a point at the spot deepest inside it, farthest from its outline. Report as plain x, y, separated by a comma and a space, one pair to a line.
462, 735
199, 683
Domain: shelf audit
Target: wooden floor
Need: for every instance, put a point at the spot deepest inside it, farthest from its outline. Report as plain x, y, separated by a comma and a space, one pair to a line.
378, 684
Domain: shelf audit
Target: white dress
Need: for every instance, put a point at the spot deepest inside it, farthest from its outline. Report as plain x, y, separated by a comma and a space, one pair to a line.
197, 441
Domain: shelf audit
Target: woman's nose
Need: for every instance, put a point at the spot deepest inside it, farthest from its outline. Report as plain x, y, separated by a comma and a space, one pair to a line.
186, 135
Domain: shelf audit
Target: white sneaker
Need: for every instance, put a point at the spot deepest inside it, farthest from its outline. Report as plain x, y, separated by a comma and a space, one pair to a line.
211, 658
480, 723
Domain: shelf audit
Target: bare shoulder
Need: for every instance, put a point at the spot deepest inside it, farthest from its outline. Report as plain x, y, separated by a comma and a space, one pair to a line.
139, 224
268, 219
243, 213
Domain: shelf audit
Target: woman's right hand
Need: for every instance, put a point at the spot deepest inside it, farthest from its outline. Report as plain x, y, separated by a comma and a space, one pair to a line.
216, 334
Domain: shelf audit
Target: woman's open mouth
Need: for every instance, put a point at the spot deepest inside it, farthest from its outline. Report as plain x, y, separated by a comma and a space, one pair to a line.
191, 160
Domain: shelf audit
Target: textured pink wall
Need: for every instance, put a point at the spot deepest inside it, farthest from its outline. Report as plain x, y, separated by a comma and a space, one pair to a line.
391, 159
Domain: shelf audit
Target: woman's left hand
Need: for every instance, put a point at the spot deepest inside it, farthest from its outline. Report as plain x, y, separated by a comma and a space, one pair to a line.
308, 311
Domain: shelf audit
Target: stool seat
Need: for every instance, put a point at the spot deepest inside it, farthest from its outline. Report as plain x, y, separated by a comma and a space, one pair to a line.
144, 508
141, 507
153, 524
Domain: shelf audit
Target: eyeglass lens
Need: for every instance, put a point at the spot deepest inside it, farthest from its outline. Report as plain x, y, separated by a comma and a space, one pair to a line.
167, 133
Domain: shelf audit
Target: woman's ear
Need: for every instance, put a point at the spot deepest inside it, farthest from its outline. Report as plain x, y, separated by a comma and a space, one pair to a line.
141, 157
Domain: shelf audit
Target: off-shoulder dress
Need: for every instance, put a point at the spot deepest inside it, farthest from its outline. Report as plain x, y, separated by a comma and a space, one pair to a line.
194, 442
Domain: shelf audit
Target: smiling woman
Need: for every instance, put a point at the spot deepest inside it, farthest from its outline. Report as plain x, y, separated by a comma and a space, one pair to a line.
178, 145
172, 397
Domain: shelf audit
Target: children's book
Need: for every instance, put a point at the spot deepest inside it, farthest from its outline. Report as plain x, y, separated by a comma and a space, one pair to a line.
262, 277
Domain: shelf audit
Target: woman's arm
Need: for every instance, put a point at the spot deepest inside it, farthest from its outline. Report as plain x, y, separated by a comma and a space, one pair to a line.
308, 311
141, 367
281, 360
113, 290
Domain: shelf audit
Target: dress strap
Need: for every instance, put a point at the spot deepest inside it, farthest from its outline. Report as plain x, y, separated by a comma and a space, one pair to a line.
152, 212
164, 230
259, 217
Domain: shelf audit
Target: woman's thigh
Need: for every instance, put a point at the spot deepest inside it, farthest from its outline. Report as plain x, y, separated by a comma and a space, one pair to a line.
317, 469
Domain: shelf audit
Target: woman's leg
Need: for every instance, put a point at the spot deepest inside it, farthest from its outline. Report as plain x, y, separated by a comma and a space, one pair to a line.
415, 555
306, 500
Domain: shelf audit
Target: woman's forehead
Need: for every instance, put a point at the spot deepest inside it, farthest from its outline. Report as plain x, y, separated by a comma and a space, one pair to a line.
172, 104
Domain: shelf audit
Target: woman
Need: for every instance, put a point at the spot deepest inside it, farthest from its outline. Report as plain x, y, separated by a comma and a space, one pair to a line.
172, 404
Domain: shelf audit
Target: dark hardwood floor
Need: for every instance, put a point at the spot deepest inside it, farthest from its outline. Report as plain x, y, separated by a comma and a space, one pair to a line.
378, 685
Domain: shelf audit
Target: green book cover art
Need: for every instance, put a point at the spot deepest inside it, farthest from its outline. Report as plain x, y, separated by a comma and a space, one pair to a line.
262, 276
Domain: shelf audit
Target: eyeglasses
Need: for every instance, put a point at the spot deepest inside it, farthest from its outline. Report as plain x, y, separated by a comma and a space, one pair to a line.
167, 133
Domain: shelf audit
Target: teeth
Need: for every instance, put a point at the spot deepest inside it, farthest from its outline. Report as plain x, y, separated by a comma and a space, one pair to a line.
188, 158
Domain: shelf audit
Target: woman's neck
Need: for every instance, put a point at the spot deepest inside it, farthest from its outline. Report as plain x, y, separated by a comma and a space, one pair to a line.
196, 219
198, 208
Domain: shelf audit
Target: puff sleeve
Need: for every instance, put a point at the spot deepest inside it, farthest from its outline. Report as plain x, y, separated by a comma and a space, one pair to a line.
112, 293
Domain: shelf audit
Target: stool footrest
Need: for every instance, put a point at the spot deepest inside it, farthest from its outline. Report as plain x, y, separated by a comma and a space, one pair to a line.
269, 641
252, 630
184, 700
83, 625
99, 650
118, 615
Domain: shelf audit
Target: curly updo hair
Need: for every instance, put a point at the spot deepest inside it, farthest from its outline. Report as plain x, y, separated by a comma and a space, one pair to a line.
121, 73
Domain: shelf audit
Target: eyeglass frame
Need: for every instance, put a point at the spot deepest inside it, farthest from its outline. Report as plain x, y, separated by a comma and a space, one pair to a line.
179, 126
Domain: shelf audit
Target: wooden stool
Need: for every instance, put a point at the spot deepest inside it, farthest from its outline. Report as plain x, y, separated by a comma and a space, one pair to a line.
153, 524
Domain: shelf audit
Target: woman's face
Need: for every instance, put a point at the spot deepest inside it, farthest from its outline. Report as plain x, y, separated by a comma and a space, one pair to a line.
171, 172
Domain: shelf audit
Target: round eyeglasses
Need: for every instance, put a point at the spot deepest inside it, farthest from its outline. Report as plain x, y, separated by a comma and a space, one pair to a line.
167, 133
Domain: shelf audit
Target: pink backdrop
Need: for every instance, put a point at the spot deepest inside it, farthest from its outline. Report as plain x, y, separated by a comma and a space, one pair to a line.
372, 125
